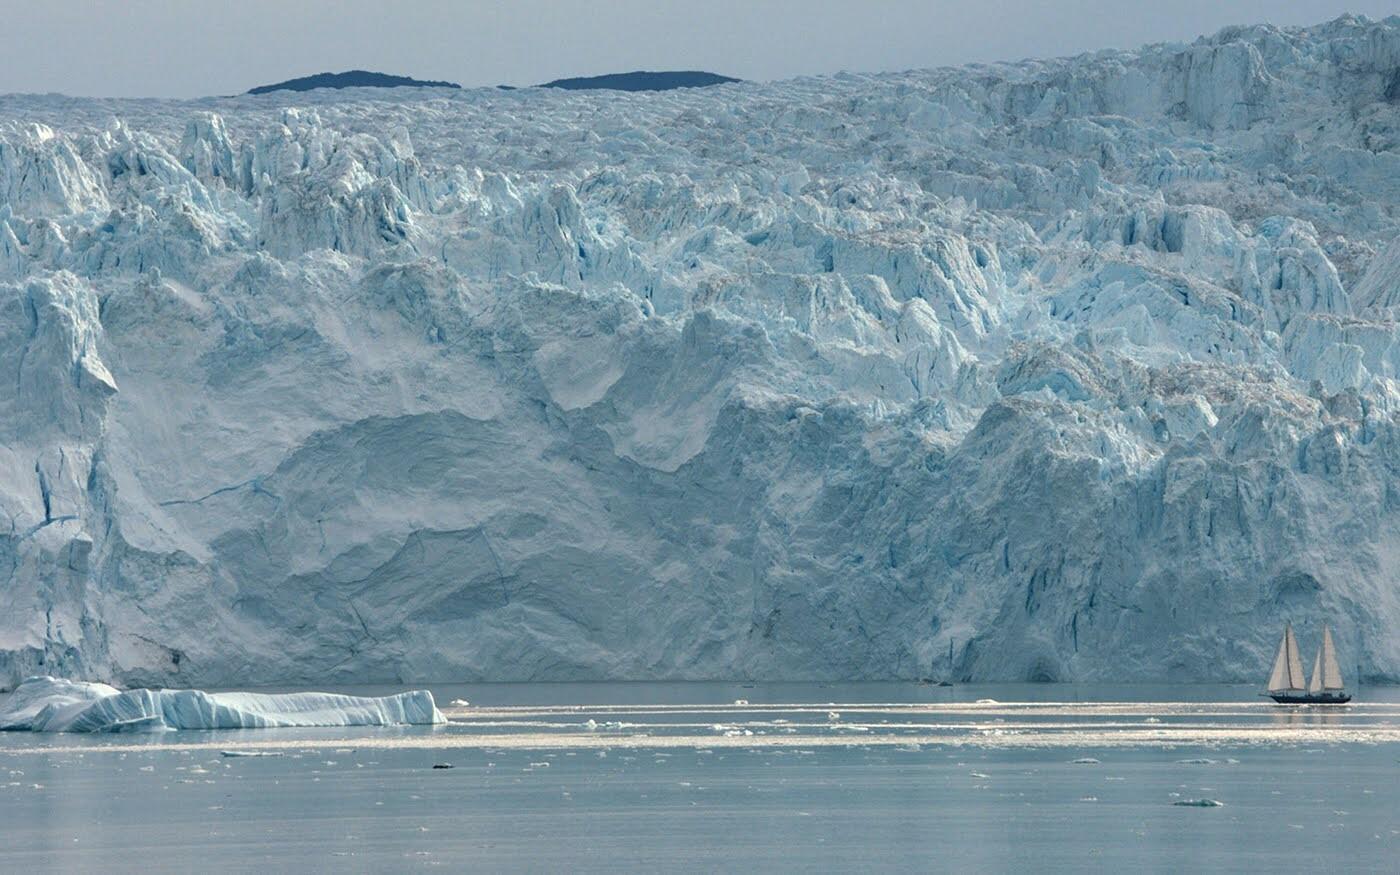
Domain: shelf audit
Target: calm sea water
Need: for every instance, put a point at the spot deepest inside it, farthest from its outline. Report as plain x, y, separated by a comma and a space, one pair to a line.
593, 777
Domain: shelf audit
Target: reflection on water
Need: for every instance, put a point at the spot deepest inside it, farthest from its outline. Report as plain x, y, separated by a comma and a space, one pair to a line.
1292, 716
600, 716
795, 777
725, 693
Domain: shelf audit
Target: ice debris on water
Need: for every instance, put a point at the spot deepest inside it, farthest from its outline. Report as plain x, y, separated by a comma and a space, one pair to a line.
1199, 803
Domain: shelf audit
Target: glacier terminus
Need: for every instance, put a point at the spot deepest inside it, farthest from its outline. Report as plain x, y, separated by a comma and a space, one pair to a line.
1078, 369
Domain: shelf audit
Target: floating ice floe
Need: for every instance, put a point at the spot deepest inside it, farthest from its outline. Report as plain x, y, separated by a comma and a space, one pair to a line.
1199, 803
238, 754
46, 704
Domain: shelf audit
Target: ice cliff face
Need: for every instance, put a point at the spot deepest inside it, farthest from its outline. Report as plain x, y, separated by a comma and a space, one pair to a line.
1079, 369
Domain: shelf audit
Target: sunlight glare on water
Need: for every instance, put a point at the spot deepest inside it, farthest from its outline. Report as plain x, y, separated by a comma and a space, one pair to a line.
799, 776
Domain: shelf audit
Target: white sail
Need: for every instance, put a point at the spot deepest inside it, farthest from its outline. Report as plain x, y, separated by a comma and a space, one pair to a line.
1288, 667
1278, 679
1315, 685
1331, 672
1296, 679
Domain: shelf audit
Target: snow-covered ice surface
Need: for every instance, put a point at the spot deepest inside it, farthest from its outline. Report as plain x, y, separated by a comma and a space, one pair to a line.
45, 704
1084, 367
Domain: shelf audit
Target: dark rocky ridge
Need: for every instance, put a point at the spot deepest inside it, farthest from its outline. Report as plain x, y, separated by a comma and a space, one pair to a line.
350, 79
642, 80
637, 80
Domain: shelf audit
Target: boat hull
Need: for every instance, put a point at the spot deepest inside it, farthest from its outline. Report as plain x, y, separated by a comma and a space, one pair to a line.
1311, 698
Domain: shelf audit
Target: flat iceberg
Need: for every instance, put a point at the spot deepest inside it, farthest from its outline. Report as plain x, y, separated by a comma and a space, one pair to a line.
47, 704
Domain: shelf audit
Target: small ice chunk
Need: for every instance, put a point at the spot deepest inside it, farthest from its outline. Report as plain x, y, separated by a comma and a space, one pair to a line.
1199, 803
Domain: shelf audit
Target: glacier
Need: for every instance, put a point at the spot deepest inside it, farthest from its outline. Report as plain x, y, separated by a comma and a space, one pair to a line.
1074, 369
49, 704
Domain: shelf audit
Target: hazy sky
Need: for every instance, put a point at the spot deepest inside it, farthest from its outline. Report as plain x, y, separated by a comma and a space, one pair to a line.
169, 48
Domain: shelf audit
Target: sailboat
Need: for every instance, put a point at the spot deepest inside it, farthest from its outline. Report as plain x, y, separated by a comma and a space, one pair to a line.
1286, 680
